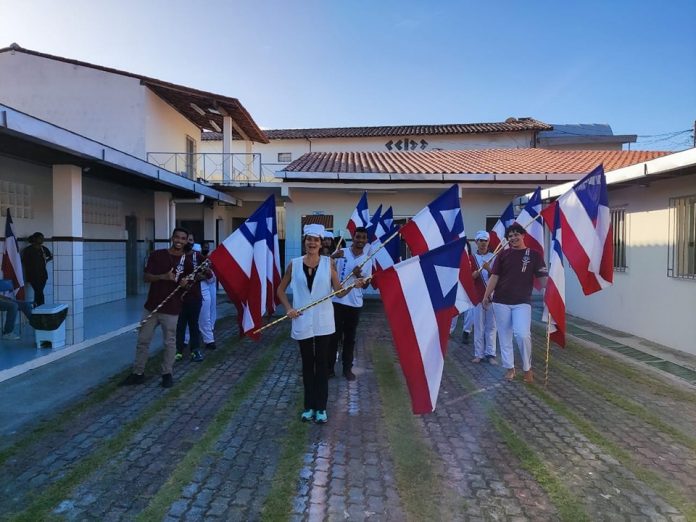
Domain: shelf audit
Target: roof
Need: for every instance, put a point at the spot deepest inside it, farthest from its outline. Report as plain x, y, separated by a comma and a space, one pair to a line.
509, 125
485, 161
179, 97
583, 133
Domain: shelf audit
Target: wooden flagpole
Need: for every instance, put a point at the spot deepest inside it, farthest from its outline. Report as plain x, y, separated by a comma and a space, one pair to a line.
548, 348
338, 245
372, 254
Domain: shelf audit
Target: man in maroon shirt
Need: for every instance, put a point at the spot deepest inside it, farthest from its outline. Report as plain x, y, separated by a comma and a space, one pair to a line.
166, 270
512, 279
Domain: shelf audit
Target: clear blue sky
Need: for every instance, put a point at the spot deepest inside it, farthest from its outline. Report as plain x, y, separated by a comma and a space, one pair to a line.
324, 63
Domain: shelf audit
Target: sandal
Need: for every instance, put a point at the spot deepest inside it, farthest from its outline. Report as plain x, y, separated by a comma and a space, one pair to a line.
510, 374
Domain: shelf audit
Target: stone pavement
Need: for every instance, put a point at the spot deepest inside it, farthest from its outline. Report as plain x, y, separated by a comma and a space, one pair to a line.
616, 441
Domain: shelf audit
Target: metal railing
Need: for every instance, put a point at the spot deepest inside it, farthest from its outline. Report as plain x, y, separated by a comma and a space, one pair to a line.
216, 167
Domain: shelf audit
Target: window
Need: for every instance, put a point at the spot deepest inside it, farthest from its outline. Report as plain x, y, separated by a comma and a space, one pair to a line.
284, 157
681, 253
618, 225
18, 198
190, 157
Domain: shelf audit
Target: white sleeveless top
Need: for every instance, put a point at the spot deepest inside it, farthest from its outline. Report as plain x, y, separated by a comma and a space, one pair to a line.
318, 320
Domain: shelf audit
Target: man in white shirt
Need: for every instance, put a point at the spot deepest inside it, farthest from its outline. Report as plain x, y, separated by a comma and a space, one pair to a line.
484, 320
347, 308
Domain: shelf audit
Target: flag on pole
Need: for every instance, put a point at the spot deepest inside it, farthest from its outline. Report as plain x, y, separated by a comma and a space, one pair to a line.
420, 299
388, 219
530, 221
360, 217
372, 232
554, 297
587, 233
435, 225
389, 255
498, 233
11, 260
247, 264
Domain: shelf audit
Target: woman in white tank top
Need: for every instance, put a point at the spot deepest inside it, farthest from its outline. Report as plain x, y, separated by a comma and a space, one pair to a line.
312, 277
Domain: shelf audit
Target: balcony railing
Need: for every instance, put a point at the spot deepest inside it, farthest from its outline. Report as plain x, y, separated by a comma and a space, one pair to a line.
216, 167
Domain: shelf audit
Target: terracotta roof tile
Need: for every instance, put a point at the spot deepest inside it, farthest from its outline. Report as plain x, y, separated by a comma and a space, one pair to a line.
487, 161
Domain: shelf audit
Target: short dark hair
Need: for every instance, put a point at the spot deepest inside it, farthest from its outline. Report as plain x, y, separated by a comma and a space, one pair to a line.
180, 229
515, 227
360, 229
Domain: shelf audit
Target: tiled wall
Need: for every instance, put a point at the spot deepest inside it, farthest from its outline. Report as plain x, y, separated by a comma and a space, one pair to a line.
105, 271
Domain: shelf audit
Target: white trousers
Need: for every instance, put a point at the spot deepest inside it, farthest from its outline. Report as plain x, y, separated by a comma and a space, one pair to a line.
206, 321
467, 317
484, 332
514, 321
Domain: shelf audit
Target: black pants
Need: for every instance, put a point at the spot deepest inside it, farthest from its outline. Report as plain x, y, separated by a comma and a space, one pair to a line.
315, 374
190, 312
347, 318
38, 287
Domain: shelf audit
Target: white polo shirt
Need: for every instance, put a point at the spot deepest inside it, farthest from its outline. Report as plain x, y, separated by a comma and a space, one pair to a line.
344, 267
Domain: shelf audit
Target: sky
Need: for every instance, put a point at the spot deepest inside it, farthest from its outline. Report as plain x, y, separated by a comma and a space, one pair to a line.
331, 63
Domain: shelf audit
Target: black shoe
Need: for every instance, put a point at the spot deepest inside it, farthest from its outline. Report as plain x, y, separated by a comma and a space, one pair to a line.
332, 373
167, 381
196, 356
132, 379
210, 346
349, 375
465, 337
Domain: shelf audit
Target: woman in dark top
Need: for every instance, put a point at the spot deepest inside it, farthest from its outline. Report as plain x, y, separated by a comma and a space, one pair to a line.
34, 258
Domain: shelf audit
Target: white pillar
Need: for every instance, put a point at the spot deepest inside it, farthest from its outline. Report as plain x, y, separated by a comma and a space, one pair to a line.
209, 225
163, 227
227, 167
68, 273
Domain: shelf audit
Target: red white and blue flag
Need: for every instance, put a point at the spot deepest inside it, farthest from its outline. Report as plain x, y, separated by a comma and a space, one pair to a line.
360, 217
435, 225
389, 255
554, 297
587, 231
247, 264
375, 224
421, 296
498, 233
388, 219
11, 261
532, 223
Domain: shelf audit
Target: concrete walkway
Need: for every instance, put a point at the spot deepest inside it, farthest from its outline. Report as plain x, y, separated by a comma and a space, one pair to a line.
613, 433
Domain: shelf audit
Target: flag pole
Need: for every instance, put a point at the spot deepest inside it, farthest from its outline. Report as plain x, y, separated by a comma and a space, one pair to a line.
372, 254
548, 348
310, 305
204, 264
338, 245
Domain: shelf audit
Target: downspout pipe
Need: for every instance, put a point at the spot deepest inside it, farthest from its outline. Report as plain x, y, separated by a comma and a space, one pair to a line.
173, 203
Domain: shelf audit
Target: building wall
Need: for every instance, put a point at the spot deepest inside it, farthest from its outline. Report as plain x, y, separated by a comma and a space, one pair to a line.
643, 301
166, 129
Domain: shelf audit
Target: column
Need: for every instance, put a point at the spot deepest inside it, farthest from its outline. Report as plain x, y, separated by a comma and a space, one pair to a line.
163, 226
227, 167
68, 274
209, 225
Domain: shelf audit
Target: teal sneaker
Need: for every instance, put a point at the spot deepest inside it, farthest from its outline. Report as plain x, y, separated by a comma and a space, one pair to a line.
178, 356
321, 417
307, 416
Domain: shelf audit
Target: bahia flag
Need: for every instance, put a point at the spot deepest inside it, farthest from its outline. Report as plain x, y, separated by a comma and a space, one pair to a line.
11, 261
360, 217
247, 264
437, 224
372, 229
498, 233
554, 297
388, 219
530, 219
420, 299
389, 255
587, 233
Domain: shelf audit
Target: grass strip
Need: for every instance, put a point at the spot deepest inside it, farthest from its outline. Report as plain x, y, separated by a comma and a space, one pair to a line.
649, 477
569, 506
623, 403
424, 495
278, 503
184, 471
40, 506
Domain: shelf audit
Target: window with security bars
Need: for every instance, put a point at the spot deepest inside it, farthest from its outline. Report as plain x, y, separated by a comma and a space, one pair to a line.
618, 225
681, 253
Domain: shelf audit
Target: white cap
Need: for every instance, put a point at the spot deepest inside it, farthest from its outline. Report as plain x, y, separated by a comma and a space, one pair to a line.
328, 234
196, 247
482, 234
314, 229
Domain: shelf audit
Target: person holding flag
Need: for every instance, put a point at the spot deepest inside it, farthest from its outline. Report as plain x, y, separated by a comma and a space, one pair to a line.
509, 289
347, 308
483, 319
312, 277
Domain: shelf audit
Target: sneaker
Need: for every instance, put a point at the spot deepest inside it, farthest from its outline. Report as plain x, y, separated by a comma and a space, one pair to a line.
349, 375
321, 417
167, 381
197, 356
178, 356
465, 337
307, 415
492, 360
210, 346
11, 337
132, 379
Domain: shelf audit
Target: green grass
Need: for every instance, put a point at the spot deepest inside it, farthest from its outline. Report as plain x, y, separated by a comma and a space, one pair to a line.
424, 494
569, 506
43, 502
183, 473
278, 503
652, 479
